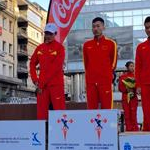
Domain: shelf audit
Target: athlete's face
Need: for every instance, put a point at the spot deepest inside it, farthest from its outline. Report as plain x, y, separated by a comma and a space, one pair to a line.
97, 28
147, 28
49, 37
131, 67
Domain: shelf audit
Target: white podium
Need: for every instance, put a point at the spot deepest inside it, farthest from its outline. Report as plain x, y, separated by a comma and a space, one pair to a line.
83, 130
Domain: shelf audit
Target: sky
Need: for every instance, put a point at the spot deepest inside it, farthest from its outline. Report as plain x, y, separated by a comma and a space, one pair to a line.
43, 3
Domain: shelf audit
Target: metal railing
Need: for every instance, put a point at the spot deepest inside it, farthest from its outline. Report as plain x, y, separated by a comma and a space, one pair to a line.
22, 32
23, 15
22, 68
3, 5
22, 49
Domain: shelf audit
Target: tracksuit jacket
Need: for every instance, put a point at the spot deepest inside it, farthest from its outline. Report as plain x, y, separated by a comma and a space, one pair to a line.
50, 58
142, 76
100, 57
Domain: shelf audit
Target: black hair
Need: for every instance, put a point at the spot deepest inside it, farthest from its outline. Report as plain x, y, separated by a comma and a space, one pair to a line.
147, 19
98, 19
128, 63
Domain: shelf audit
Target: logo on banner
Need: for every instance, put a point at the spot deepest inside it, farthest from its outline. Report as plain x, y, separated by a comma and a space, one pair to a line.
61, 10
63, 13
127, 146
65, 122
35, 140
98, 121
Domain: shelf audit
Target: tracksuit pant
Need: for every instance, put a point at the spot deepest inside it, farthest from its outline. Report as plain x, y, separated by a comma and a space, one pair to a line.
51, 94
130, 113
145, 97
97, 93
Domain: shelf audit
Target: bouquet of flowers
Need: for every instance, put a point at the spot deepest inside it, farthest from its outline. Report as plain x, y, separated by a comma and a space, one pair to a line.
130, 86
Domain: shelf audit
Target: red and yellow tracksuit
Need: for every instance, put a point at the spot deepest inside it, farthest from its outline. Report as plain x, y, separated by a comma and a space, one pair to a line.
130, 108
100, 58
142, 76
50, 58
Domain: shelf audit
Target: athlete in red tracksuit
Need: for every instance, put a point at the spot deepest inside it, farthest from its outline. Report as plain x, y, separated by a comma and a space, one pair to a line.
142, 75
50, 58
129, 107
100, 56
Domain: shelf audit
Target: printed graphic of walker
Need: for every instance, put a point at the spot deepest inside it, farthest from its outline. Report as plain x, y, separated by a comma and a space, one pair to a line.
98, 120
127, 146
35, 139
65, 122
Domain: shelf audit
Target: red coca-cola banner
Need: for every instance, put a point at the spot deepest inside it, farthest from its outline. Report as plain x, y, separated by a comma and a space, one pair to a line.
63, 13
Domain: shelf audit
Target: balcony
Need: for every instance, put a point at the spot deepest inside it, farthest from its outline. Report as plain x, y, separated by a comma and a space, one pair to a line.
23, 24
22, 68
3, 4
22, 71
22, 50
23, 4
22, 33
22, 16
10, 80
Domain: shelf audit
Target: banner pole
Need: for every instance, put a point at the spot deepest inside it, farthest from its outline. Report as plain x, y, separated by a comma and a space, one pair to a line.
49, 8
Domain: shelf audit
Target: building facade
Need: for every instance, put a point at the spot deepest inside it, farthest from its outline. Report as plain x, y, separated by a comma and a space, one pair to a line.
21, 30
30, 34
8, 49
124, 23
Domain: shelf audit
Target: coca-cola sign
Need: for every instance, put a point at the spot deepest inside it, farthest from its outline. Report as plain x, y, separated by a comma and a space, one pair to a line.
63, 13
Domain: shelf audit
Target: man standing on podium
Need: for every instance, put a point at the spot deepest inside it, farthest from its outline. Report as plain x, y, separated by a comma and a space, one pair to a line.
100, 57
142, 75
50, 57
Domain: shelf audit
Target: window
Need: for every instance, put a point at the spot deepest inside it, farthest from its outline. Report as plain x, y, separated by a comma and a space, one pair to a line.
88, 20
128, 21
137, 27
118, 13
37, 35
4, 69
10, 49
108, 1
137, 12
127, 0
80, 23
10, 26
127, 13
34, 18
109, 14
118, 21
4, 46
4, 23
144, 17
117, 1
10, 71
99, 1
109, 22
137, 20
146, 11
87, 3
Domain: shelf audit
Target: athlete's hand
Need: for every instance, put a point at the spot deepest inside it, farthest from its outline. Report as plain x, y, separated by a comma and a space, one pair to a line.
36, 84
38, 90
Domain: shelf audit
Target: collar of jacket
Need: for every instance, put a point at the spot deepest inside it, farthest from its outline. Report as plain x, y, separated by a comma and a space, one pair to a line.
100, 39
148, 39
51, 43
